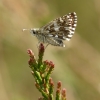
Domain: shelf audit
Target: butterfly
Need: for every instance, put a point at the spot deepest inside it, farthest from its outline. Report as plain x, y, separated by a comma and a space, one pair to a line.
56, 31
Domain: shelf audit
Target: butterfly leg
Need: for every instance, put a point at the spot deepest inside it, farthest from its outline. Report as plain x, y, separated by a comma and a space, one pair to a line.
38, 44
46, 45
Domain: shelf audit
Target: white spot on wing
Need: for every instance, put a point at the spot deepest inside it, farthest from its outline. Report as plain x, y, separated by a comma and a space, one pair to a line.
56, 36
67, 39
75, 25
50, 35
75, 21
68, 17
70, 35
61, 20
75, 16
56, 29
71, 32
73, 29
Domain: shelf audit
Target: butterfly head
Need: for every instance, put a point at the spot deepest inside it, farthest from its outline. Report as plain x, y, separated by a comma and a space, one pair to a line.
34, 31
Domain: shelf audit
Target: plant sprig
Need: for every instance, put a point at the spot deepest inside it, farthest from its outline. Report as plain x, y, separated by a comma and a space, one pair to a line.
42, 70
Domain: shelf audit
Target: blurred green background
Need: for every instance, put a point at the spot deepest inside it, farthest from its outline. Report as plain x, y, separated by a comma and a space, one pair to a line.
77, 65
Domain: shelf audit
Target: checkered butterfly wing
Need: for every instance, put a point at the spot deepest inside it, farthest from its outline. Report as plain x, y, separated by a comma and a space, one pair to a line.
61, 28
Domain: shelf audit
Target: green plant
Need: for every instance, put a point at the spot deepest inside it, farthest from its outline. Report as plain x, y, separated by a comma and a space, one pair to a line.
41, 70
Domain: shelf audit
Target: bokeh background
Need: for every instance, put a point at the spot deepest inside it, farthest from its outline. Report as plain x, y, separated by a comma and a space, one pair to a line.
77, 65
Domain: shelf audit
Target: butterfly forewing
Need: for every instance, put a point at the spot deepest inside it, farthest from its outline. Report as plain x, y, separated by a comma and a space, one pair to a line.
62, 28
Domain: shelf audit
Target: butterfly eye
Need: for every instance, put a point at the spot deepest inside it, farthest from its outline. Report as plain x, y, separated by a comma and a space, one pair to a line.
33, 32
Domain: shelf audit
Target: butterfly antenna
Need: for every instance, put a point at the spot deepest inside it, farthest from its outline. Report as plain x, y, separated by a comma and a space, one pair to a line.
25, 29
